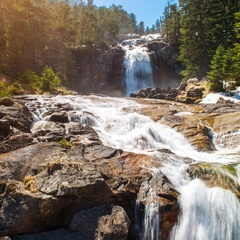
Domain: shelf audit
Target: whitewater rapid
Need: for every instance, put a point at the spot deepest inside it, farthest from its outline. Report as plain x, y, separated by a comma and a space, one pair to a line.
205, 213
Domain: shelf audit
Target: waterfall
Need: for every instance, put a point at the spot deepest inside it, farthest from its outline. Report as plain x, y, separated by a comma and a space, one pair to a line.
206, 213
138, 69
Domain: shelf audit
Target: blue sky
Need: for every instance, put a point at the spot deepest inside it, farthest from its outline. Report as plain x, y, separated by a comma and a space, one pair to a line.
145, 10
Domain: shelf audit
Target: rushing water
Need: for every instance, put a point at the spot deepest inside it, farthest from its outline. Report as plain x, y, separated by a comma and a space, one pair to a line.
206, 213
138, 69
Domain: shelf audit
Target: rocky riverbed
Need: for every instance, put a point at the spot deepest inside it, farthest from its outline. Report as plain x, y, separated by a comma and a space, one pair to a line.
59, 180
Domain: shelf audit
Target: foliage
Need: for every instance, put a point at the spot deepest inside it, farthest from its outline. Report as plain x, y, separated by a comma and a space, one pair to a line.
49, 80
4, 91
30, 184
16, 89
236, 48
199, 28
171, 23
216, 75
29, 80
65, 143
225, 65
36, 33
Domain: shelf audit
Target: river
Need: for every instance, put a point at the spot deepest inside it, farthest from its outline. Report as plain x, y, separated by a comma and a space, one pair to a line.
206, 212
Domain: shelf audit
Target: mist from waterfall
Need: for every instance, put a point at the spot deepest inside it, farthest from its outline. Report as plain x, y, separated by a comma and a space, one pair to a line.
138, 69
206, 213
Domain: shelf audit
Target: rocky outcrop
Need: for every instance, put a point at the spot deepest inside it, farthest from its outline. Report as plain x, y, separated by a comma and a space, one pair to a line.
15, 123
192, 91
44, 181
223, 118
198, 122
189, 92
166, 67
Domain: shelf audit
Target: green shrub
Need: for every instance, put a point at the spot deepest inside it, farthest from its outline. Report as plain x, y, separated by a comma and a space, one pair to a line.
49, 80
16, 89
29, 80
4, 91
65, 143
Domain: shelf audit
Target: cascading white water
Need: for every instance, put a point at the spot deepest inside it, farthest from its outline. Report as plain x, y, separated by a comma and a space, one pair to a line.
138, 69
206, 213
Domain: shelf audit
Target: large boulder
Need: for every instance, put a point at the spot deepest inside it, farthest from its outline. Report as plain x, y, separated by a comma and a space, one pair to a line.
190, 120
16, 114
15, 125
192, 91
102, 222
42, 182
225, 122
43, 185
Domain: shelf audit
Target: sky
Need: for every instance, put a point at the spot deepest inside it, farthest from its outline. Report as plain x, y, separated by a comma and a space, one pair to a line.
147, 11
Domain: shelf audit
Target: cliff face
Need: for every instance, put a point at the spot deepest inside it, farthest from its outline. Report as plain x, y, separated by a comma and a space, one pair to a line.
99, 71
165, 65
103, 71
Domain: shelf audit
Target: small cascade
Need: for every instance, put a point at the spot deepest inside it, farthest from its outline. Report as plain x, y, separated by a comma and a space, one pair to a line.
207, 213
151, 221
138, 69
151, 213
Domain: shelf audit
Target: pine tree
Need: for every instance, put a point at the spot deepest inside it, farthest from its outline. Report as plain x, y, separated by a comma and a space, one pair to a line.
216, 75
237, 48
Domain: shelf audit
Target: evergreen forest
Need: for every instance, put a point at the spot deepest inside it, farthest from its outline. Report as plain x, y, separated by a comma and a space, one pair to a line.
37, 38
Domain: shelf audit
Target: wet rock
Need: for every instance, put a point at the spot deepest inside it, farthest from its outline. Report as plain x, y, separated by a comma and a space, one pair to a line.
51, 182
6, 101
4, 129
61, 117
198, 134
48, 131
133, 95
216, 175
156, 93
99, 71
227, 128
224, 101
166, 194
219, 109
16, 114
188, 92
158, 190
